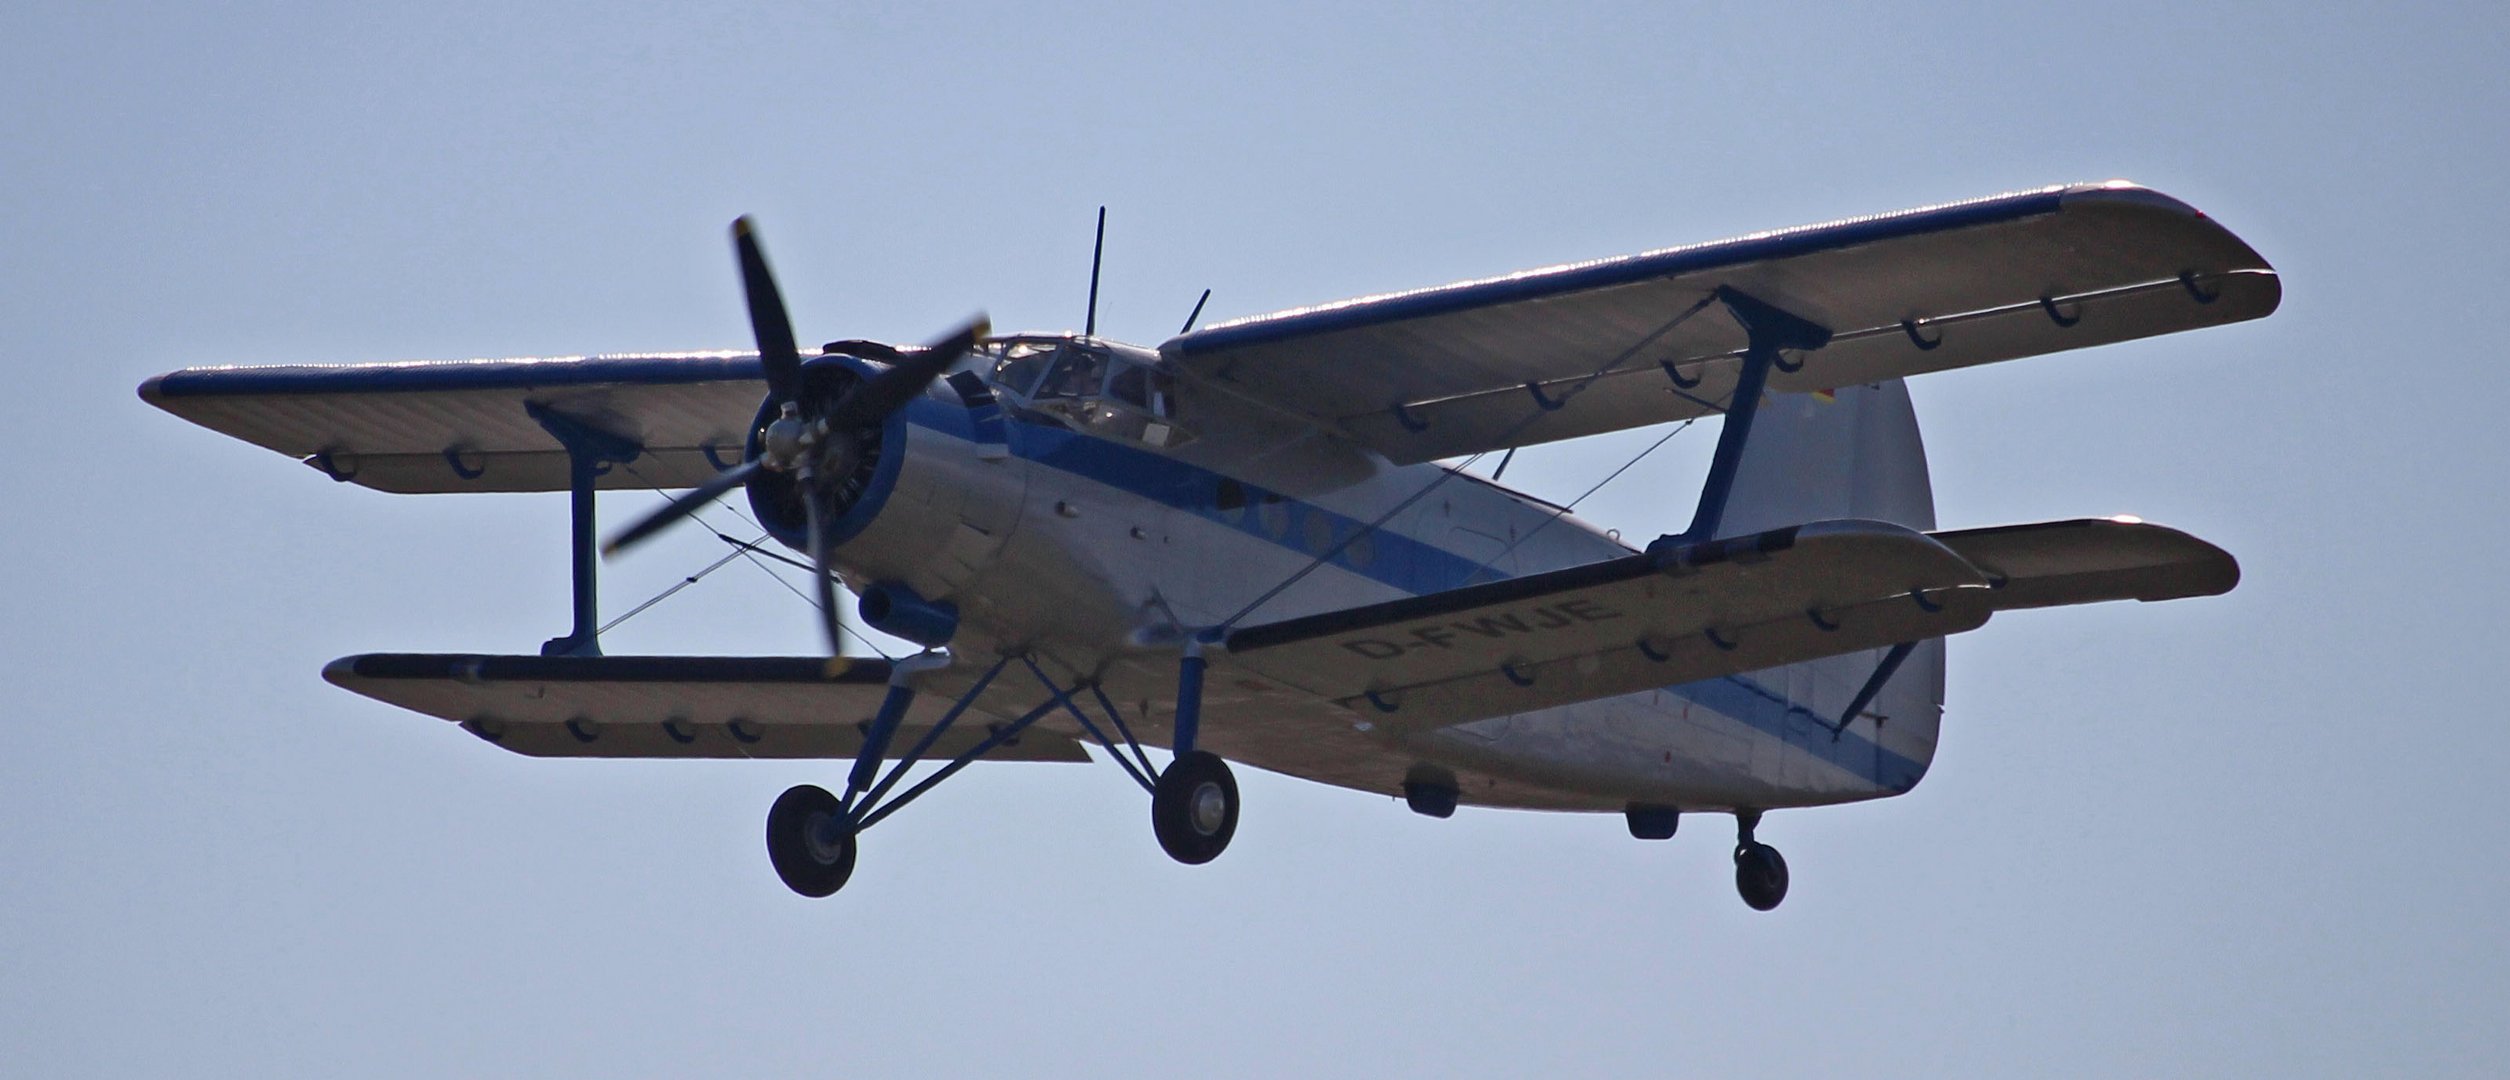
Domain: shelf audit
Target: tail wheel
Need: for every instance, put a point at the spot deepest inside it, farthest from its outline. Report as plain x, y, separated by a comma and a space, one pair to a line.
1194, 807
810, 840
1760, 874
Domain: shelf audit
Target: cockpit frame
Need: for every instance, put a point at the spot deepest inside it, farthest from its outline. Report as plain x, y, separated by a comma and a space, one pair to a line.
1085, 384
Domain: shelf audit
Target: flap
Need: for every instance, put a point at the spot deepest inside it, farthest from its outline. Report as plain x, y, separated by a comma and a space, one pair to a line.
671, 706
1625, 625
468, 425
2087, 561
1903, 294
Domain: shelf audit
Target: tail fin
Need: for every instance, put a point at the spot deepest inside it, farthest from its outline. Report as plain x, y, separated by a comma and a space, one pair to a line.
1816, 457
1809, 459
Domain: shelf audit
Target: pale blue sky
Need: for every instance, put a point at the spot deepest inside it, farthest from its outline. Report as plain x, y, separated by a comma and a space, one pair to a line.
2251, 835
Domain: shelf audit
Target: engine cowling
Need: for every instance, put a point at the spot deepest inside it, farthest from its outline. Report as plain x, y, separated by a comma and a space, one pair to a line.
867, 460
913, 504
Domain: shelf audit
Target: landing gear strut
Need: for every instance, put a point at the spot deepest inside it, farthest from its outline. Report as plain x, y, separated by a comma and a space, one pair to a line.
1194, 807
1194, 803
1760, 873
811, 833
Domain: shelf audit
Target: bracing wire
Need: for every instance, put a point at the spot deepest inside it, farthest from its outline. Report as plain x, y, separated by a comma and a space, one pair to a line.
1563, 511
667, 594
1504, 438
750, 550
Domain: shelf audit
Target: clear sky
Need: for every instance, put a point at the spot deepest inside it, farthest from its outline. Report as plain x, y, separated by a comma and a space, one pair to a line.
2252, 835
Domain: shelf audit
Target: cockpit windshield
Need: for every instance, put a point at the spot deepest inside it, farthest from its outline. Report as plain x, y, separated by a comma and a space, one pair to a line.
1075, 372
1087, 385
1017, 364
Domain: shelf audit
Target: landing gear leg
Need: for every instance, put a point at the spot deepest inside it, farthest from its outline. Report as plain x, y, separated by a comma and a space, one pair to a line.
1760, 873
1194, 804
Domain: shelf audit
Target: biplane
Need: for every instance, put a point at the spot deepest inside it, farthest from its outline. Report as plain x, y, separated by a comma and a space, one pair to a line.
1257, 542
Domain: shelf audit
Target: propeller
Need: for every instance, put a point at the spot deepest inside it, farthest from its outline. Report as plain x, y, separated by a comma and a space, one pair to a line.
806, 442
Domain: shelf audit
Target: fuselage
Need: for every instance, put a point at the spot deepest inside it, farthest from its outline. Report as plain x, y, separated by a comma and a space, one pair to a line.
1097, 529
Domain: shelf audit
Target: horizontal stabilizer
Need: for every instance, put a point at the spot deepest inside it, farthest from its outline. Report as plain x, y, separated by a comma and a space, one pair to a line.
2091, 560
670, 706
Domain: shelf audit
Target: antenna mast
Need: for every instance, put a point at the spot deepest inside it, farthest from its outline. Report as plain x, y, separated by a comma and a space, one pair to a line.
1096, 250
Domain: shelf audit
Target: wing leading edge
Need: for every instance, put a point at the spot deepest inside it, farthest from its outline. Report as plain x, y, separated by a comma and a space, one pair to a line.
1487, 364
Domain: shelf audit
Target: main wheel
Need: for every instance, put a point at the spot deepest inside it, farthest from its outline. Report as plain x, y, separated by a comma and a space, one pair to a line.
1194, 807
1760, 874
810, 840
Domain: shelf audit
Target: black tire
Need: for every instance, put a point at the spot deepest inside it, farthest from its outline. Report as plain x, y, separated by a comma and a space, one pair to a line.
1760, 874
1194, 807
810, 841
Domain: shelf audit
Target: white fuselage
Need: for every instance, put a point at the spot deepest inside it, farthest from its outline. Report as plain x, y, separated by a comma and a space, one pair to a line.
1098, 554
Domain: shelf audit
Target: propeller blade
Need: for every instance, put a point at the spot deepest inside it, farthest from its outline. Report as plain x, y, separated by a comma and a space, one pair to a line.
820, 577
680, 507
890, 390
773, 329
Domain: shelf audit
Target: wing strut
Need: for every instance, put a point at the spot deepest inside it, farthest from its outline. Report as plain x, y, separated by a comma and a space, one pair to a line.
1873, 685
1769, 330
590, 451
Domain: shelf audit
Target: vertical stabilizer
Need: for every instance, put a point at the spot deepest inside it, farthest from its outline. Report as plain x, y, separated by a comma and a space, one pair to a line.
1855, 454
1811, 459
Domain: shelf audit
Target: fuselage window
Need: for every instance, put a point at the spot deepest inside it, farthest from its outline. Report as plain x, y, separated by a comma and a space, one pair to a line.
1276, 517
1361, 552
1319, 532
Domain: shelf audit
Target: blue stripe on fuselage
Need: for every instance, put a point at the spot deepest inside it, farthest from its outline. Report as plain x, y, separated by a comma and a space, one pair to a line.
1401, 561
1391, 558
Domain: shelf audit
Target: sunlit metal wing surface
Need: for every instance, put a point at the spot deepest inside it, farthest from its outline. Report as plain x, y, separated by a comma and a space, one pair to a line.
1486, 364
477, 425
2094, 559
1707, 610
672, 706
1592, 631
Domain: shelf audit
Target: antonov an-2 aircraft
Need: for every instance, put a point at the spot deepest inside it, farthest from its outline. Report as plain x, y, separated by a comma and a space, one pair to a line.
1242, 545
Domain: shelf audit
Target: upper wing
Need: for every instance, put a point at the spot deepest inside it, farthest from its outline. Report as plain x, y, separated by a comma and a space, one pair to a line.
1700, 611
676, 706
1439, 372
472, 425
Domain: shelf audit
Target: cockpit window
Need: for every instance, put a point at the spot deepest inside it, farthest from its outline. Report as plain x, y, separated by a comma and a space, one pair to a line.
1087, 387
1020, 364
1130, 384
1075, 373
